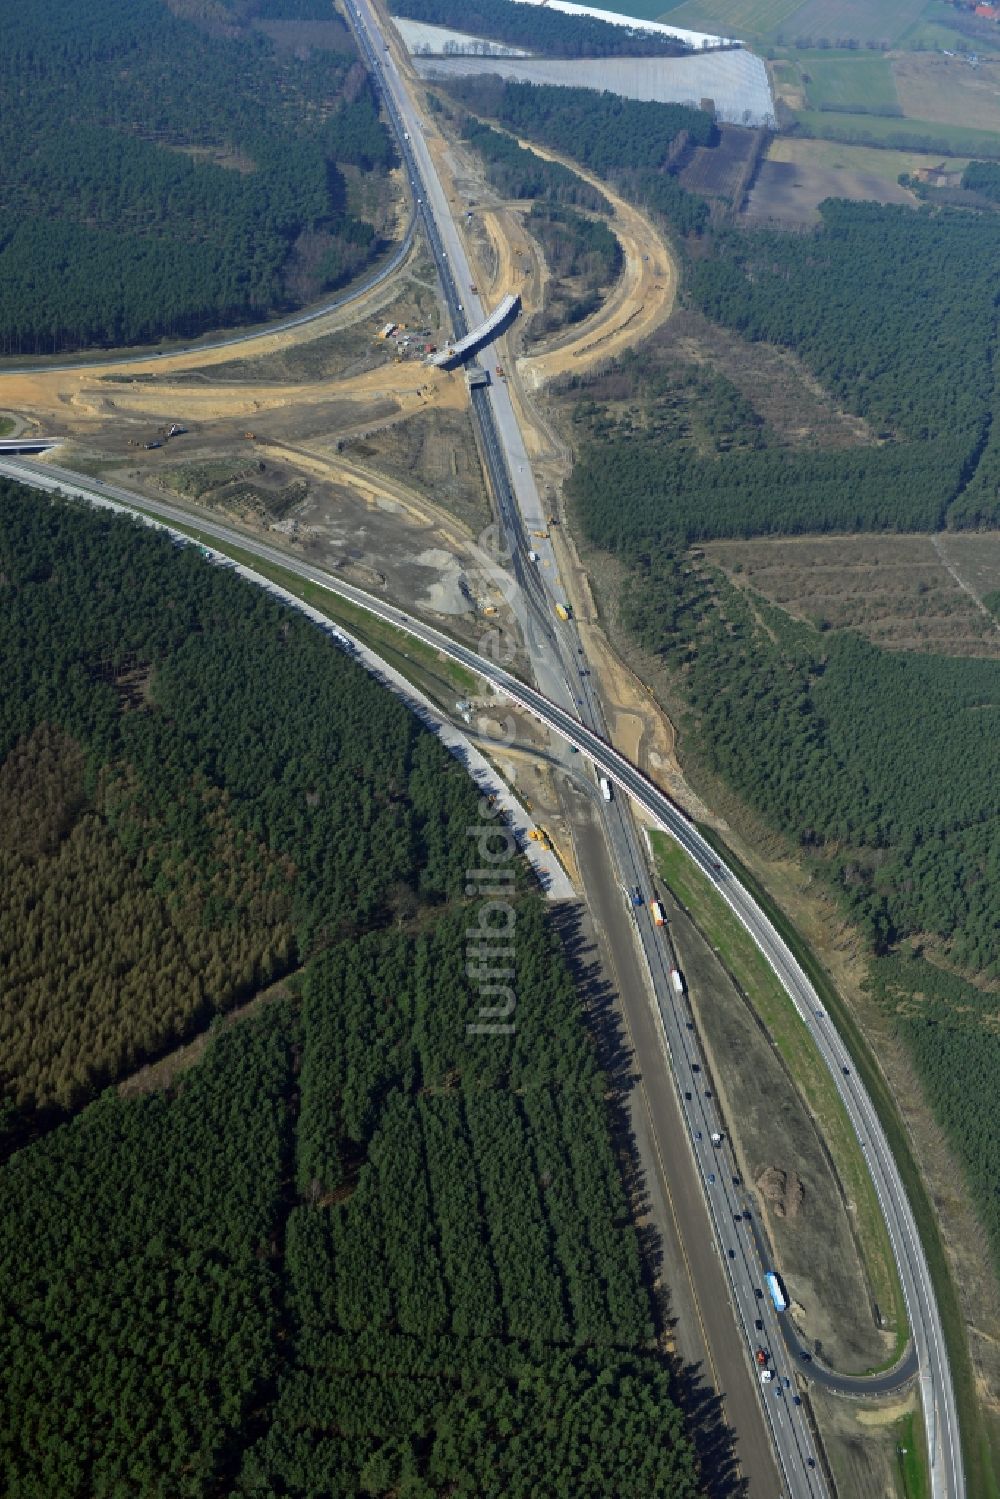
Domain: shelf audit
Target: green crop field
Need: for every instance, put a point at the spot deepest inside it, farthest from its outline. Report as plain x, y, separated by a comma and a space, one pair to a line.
742, 18
848, 80
916, 135
860, 20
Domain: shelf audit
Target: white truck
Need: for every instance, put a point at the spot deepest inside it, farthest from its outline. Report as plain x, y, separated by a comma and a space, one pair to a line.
677, 979
605, 788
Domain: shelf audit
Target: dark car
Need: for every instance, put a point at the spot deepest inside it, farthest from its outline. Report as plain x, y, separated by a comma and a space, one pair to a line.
759, 1325
846, 1071
758, 1293
732, 1254
695, 1067
796, 1399
688, 1097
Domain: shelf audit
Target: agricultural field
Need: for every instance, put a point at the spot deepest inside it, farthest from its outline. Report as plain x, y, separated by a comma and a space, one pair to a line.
948, 90
783, 20
899, 134
854, 165
743, 18
862, 21
788, 192
852, 81
902, 592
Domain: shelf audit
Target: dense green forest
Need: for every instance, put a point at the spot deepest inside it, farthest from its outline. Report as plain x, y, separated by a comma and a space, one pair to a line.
357, 1248
517, 172
601, 131
983, 177
163, 815
550, 33
164, 169
631, 143
908, 346
882, 767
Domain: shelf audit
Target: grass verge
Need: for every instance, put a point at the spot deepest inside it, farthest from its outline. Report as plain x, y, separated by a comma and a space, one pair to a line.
980, 1473
911, 1464
742, 957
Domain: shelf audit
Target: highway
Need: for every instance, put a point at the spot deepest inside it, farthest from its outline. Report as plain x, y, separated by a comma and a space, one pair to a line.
559, 663
565, 702
357, 289
726, 1197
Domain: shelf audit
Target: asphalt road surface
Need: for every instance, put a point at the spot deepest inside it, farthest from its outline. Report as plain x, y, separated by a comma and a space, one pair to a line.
568, 705
521, 513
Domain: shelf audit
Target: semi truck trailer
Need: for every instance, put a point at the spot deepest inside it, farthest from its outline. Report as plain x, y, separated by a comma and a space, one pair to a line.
777, 1291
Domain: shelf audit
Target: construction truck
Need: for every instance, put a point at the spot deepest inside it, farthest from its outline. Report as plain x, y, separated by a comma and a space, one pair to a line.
563, 612
659, 914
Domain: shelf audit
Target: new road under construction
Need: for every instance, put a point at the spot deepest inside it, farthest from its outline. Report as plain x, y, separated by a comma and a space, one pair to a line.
679, 1116
567, 702
777, 1446
503, 313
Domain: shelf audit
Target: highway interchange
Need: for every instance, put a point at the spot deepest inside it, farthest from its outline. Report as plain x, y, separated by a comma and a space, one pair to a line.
521, 512
564, 700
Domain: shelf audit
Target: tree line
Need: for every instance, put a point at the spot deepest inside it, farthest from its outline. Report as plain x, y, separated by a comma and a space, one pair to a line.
551, 33
633, 144
517, 172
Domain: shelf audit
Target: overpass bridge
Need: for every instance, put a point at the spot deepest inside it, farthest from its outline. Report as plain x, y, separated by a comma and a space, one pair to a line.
503, 313
28, 444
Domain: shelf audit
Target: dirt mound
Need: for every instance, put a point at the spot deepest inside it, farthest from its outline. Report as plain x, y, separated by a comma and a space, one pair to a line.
782, 1189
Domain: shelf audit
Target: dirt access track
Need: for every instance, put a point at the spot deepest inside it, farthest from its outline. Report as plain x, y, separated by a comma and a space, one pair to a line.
642, 298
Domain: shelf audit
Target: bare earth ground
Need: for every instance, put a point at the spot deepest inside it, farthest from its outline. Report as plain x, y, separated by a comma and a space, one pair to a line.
860, 1438
947, 90
788, 192
796, 408
902, 592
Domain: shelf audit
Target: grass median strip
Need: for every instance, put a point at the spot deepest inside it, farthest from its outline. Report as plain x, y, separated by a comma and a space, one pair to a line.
746, 963
981, 1477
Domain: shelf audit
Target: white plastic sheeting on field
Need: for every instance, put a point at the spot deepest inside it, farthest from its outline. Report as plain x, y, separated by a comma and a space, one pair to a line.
736, 81
422, 39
